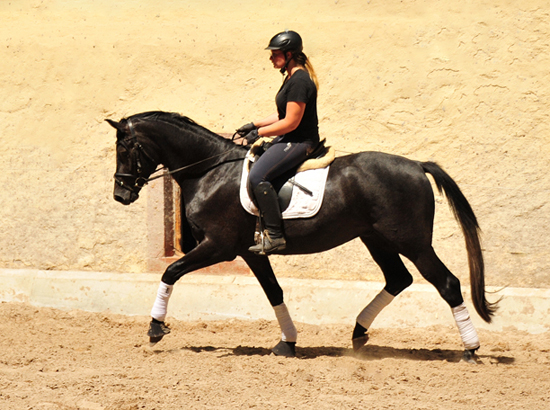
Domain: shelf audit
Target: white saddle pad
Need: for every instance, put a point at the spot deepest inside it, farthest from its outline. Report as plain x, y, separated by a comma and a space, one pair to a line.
301, 204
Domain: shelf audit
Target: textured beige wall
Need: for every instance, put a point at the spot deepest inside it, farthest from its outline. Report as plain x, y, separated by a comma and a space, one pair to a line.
463, 83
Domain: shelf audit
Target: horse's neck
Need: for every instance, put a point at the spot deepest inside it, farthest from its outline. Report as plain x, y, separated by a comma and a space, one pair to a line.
180, 148
191, 147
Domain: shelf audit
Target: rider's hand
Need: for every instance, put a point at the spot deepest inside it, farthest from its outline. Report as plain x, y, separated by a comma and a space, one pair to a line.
247, 128
252, 136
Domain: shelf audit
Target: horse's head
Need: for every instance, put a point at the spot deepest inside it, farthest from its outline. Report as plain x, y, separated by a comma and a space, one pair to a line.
133, 164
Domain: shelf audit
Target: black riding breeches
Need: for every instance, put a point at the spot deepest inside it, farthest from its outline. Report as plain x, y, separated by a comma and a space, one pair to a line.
278, 159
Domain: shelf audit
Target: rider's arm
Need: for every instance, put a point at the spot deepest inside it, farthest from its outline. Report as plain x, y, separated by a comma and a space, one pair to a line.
267, 120
294, 113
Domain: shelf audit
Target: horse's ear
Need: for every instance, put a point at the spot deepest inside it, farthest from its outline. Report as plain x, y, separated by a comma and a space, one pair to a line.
116, 125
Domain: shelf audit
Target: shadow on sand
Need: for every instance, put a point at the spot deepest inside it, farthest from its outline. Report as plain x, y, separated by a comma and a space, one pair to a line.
367, 353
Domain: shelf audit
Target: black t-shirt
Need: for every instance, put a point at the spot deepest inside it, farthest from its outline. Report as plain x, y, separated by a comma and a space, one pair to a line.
300, 88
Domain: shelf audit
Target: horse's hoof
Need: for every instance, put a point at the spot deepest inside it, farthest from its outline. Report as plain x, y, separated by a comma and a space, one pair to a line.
470, 356
359, 337
285, 349
157, 330
154, 340
359, 342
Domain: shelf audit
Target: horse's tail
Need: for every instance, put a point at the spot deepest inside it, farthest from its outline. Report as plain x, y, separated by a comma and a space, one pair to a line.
466, 218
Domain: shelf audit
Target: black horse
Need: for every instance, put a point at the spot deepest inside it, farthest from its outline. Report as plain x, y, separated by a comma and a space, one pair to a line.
385, 200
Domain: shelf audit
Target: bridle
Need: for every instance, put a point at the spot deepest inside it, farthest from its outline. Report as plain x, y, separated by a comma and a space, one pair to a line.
134, 183
131, 182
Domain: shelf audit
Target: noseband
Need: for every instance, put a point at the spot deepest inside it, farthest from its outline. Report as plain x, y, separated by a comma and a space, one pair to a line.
133, 182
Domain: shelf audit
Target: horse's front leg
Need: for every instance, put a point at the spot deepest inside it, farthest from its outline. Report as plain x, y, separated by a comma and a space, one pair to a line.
263, 271
205, 254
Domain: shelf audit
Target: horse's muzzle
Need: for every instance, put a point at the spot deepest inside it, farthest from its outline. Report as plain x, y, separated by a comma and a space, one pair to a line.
125, 196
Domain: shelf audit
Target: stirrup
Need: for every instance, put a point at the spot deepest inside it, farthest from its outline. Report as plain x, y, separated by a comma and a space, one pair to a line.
268, 245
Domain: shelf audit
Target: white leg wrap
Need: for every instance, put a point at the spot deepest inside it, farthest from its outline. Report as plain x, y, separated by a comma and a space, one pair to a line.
367, 316
161, 302
466, 328
289, 332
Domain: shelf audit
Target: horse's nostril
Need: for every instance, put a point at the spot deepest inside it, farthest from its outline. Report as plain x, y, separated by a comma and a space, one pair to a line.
122, 199
125, 198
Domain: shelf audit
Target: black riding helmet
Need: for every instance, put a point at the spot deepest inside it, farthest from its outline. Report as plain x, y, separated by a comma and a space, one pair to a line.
286, 41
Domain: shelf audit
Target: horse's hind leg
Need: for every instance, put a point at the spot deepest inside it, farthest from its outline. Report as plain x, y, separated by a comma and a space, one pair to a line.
448, 286
397, 278
261, 268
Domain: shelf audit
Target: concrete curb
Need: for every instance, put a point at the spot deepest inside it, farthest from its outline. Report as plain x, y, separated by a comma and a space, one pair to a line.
214, 297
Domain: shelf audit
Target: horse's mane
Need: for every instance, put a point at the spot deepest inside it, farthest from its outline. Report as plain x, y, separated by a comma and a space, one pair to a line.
171, 117
178, 120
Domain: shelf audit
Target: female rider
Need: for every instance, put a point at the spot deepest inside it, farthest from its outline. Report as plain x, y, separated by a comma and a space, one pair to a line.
295, 126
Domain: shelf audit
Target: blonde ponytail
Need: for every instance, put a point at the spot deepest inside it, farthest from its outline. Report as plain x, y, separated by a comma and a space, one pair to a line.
302, 59
311, 72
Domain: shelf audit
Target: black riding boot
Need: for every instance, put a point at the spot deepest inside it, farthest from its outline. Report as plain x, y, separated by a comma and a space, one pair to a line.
267, 201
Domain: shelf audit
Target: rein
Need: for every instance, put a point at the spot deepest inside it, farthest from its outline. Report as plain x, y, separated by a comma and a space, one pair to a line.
192, 165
